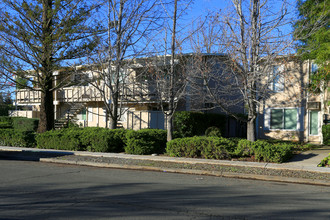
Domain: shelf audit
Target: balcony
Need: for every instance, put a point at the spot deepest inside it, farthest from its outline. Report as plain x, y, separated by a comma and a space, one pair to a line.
28, 97
136, 92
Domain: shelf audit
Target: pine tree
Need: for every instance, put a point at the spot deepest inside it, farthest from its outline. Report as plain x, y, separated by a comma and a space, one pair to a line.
40, 36
312, 31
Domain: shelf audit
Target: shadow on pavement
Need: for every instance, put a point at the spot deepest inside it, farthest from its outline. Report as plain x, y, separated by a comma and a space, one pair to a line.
302, 157
30, 155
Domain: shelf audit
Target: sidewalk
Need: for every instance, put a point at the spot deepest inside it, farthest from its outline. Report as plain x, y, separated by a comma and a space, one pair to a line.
301, 168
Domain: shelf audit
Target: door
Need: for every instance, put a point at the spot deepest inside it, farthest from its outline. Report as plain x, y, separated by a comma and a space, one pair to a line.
314, 123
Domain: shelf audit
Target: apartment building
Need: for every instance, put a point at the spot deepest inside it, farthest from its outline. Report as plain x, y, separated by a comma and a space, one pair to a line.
290, 111
81, 101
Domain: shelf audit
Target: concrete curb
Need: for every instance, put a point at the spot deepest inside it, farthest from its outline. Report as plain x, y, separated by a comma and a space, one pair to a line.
231, 169
194, 172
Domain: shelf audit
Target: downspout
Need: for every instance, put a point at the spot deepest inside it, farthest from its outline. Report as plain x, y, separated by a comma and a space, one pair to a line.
322, 112
307, 99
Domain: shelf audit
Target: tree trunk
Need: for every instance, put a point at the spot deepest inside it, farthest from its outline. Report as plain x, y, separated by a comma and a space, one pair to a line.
251, 130
171, 104
113, 120
169, 128
46, 122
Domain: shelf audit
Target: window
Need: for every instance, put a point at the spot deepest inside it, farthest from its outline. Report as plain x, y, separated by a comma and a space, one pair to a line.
276, 79
313, 122
284, 119
314, 68
82, 114
90, 114
81, 79
104, 114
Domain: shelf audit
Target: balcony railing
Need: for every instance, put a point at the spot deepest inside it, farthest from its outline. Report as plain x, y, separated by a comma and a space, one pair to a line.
25, 96
130, 93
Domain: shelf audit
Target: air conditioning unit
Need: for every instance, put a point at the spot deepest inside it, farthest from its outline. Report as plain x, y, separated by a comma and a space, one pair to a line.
314, 105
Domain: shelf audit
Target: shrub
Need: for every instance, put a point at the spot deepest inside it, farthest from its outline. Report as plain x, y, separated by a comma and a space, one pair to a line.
269, 152
103, 140
326, 134
6, 122
206, 147
189, 124
186, 123
91, 139
244, 148
4, 109
11, 137
213, 132
64, 139
223, 148
185, 147
325, 162
145, 141
217, 148
25, 124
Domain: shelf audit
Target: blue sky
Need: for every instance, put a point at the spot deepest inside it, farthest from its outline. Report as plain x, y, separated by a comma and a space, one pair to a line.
200, 7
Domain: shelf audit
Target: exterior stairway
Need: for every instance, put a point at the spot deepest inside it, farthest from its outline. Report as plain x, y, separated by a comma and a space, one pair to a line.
71, 113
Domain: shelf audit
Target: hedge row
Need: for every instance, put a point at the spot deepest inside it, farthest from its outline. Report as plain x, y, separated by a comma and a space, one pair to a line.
16, 138
222, 148
145, 141
6, 122
81, 139
326, 134
19, 123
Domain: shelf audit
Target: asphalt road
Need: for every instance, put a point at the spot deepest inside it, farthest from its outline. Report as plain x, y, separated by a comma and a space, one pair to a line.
35, 190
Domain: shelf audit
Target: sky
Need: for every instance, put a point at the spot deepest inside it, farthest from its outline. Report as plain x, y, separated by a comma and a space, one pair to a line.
201, 7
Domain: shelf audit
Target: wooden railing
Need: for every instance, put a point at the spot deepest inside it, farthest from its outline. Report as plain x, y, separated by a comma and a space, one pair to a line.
78, 94
26, 96
130, 93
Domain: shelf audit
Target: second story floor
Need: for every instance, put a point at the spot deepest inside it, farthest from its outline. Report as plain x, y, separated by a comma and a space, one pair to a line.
139, 80
288, 84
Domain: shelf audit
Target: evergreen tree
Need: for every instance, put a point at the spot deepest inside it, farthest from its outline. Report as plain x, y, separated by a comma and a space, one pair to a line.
40, 36
312, 31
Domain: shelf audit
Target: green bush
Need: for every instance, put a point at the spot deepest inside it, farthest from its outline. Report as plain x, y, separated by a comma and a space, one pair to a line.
223, 148
145, 141
326, 134
217, 148
91, 139
25, 124
103, 140
185, 147
213, 132
244, 148
189, 124
205, 147
6, 122
269, 152
64, 139
11, 137
4, 109
325, 162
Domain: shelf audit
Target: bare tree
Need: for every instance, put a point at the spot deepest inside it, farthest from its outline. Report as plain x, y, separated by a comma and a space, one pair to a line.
250, 38
169, 67
131, 25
